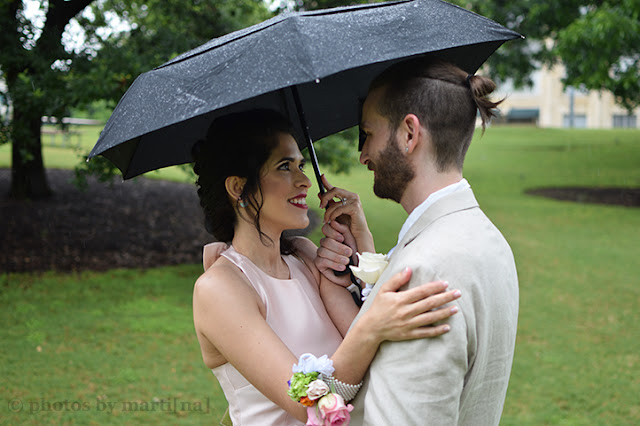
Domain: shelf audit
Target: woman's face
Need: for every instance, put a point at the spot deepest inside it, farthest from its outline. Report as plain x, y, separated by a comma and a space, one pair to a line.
284, 188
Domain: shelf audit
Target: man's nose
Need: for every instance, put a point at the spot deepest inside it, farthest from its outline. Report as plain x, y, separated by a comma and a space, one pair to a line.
364, 158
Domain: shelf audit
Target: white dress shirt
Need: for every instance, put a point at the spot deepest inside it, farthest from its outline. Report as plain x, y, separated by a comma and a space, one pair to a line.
432, 198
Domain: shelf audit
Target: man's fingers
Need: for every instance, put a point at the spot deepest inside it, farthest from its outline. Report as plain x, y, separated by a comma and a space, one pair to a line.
335, 247
339, 227
332, 260
331, 233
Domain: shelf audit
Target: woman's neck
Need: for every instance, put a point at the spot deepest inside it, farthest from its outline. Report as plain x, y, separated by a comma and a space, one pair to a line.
264, 253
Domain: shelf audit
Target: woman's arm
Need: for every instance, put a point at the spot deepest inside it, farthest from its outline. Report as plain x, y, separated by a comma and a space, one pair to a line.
394, 315
229, 315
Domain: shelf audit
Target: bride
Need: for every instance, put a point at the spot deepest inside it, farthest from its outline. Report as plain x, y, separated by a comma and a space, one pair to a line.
258, 307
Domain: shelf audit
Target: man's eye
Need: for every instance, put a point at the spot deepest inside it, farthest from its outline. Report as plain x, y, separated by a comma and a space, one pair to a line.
362, 138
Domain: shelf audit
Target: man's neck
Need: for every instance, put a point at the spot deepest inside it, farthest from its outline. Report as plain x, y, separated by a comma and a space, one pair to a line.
421, 187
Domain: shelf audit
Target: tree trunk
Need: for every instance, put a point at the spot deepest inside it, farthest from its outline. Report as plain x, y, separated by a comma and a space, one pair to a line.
28, 177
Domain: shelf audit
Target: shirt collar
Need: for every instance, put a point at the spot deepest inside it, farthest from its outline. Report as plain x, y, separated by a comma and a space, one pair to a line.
432, 198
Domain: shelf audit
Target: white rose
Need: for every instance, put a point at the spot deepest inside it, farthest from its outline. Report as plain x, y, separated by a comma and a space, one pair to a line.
370, 266
317, 389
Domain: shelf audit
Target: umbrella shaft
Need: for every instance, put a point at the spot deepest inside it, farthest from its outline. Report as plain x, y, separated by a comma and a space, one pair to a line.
307, 138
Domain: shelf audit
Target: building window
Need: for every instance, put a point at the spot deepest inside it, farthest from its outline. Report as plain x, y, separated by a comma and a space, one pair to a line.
523, 116
579, 121
625, 121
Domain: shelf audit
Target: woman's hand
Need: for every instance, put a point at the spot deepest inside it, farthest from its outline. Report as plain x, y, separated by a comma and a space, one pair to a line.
350, 206
336, 248
411, 314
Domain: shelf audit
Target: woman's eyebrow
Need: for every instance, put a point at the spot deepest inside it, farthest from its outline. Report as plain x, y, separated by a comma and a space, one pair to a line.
286, 159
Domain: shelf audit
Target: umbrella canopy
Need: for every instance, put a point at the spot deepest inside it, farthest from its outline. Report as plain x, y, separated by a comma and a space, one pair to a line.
313, 67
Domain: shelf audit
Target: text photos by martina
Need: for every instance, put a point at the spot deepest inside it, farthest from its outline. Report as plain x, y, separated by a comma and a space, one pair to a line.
170, 405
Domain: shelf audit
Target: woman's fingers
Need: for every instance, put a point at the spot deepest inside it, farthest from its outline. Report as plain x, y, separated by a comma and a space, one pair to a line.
421, 298
435, 301
325, 183
394, 283
426, 324
424, 332
434, 316
423, 291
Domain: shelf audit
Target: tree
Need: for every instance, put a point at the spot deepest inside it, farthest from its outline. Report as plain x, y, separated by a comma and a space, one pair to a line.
597, 41
34, 86
44, 78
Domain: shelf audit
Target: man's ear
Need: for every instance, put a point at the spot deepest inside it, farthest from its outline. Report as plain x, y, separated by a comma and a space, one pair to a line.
411, 133
235, 186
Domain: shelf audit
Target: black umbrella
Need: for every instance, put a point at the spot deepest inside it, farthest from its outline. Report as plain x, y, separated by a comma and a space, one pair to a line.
314, 67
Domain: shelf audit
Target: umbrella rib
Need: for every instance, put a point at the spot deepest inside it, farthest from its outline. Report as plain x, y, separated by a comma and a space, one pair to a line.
230, 40
277, 20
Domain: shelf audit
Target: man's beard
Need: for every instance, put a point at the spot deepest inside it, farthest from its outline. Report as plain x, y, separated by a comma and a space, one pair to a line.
392, 172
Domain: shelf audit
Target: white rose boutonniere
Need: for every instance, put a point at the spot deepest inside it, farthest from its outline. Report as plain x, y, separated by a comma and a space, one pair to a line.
370, 267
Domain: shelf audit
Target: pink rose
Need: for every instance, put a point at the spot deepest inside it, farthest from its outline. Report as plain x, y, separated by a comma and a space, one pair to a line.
334, 411
312, 418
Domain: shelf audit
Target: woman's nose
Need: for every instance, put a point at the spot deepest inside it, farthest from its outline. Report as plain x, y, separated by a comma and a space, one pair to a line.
304, 180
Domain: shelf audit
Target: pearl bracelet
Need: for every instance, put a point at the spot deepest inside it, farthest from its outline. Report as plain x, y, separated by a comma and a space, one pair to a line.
347, 391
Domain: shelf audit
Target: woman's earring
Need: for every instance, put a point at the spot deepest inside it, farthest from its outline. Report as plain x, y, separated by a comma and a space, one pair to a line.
406, 149
242, 203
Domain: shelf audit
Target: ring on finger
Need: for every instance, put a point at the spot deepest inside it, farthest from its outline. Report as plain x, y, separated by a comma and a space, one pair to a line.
344, 201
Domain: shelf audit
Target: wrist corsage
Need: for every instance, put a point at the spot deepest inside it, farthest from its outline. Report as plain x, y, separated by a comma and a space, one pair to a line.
314, 386
370, 267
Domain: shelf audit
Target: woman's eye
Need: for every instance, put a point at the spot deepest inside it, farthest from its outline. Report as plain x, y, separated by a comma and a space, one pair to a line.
284, 166
302, 167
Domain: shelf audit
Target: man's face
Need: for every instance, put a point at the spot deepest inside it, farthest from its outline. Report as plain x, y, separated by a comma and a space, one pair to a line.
381, 152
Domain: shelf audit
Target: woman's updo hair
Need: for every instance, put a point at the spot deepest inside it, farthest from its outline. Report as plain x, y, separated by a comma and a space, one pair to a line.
237, 144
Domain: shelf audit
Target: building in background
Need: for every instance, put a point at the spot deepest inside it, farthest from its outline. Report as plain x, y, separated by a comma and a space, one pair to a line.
548, 104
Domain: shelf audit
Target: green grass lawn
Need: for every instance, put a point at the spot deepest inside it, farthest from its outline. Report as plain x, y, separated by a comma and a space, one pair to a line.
119, 347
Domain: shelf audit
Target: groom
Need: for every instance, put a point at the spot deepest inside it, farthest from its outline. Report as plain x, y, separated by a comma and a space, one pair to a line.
418, 120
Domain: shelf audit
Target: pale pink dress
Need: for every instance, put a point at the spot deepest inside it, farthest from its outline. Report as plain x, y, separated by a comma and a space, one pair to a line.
295, 312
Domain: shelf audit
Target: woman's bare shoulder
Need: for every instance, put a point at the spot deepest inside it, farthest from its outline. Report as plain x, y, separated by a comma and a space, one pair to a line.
223, 277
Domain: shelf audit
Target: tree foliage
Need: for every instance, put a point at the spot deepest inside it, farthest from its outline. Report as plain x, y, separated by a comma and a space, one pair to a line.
32, 63
43, 77
597, 42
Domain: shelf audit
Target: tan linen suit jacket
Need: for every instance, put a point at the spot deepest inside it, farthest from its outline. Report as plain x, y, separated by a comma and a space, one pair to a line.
461, 377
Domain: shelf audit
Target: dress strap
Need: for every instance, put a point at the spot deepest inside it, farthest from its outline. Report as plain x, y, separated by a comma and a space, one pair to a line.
211, 252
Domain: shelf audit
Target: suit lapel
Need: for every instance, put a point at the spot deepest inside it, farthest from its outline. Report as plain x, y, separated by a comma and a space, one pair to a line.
458, 201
